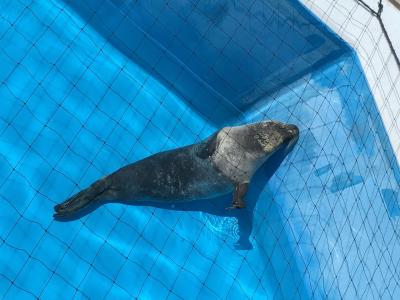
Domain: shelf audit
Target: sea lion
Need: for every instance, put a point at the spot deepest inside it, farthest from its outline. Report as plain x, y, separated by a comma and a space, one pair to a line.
221, 164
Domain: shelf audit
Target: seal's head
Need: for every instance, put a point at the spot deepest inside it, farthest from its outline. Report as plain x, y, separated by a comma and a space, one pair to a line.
240, 150
274, 135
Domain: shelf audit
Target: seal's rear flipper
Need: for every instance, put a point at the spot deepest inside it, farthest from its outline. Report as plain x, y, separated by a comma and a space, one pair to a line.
81, 200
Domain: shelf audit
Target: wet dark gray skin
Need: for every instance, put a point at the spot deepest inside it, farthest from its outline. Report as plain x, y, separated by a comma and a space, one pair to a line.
222, 164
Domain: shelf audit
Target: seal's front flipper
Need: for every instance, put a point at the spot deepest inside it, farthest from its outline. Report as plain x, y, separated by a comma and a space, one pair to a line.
238, 195
81, 200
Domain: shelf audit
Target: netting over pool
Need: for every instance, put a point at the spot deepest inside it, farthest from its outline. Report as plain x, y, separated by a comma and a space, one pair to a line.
90, 86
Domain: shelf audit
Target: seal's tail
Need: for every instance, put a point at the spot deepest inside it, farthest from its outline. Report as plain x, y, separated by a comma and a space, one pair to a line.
81, 200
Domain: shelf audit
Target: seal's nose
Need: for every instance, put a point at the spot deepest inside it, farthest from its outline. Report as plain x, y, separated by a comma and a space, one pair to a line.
292, 136
293, 130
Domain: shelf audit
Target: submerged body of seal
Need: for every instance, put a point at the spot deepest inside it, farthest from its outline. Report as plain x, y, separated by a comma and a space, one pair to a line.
223, 163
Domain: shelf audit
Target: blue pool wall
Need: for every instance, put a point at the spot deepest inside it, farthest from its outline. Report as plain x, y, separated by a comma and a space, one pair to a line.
77, 107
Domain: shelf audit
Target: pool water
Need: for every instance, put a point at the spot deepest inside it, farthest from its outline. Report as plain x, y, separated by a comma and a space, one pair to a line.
87, 87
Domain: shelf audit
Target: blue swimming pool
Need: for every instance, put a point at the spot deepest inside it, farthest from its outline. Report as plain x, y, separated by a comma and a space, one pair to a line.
89, 86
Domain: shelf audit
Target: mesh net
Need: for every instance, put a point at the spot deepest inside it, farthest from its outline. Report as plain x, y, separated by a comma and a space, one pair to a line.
90, 86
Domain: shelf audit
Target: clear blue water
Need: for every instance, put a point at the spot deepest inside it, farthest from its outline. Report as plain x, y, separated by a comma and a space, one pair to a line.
87, 87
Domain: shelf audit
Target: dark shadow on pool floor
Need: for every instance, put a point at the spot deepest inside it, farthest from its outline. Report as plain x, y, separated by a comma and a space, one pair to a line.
213, 71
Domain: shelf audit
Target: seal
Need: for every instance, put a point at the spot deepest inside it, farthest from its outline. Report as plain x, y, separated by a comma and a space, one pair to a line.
223, 163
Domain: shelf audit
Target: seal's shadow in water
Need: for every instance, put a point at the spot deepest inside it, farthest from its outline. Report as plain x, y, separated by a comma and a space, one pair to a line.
217, 206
